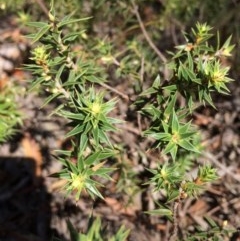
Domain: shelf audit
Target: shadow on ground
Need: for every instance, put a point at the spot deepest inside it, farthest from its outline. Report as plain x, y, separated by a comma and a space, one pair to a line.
25, 211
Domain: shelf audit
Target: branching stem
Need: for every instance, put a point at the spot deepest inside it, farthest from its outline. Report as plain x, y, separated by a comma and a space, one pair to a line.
145, 33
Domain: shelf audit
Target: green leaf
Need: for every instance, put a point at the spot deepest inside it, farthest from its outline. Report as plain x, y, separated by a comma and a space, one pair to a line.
76, 130
76, 80
106, 153
104, 138
208, 98
72, 116
72, 167
74, 235
103, 171
190, 61
93, 190
170, 104
151, 110
63, 152
165, 126
190, 74
83, 142
59, 72
80, 161
157, 82
72, 36
37, 24
92, 158
173, 152
88, 126
175, 123
170, 88
40, 33
160, 136
187, 135
36, 83
50, 98
121, 235
95, 132
160, 212
64, 174
56, 61
66, 21
188, 146
211, 222
93, 79
149, 91
172, 195
185, 128
170, 146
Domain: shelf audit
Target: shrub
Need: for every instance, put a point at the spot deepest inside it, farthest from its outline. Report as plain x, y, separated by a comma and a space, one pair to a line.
179, 84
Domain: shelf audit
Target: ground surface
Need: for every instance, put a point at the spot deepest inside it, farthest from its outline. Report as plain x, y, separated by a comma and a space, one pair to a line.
32, 208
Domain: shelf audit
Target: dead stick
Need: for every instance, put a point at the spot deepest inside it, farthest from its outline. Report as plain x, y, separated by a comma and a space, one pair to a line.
174, 234
115, 91
144, 31
42, 6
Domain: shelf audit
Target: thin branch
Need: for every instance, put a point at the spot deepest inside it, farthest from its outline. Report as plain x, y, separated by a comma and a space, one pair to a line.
131, 129
115, 91
147, 37
174, 234
42, 6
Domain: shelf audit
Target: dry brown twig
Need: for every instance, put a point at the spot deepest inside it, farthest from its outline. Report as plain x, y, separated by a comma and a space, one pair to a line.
115, 91
145, 33
42, 6
174, 234
149, 40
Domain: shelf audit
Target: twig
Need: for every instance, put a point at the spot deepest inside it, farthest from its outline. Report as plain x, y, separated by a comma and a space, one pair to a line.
167, 231
131, 129
150, 42
173, 33
175, 221
42, 6
115, 91
139, 121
